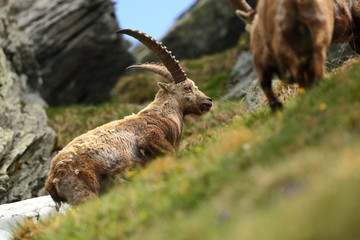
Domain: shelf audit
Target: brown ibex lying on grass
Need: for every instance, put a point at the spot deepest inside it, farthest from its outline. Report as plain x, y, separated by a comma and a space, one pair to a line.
288, 38
79, 171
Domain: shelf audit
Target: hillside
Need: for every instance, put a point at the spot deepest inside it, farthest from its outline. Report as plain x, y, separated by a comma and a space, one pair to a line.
238, 174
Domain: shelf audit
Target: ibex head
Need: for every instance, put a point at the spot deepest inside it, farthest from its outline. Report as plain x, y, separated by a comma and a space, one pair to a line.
184, 90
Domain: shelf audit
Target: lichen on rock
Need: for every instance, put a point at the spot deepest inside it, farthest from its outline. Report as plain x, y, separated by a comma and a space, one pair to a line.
26, 141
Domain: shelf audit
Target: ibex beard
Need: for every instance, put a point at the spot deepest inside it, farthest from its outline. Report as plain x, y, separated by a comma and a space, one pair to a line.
80, 170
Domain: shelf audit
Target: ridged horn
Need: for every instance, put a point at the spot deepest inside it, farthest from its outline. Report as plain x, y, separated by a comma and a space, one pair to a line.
160, 51
241, 5
156, 68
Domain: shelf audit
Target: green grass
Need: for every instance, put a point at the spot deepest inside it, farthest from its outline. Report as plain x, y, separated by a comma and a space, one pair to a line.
292, 175
217, 85
71, 121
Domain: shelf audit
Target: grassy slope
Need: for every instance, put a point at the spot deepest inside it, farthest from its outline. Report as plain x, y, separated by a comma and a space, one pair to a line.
293, 175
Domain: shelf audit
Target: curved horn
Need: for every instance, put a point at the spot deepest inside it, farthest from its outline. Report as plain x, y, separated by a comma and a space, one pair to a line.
156, 68
241, 5
160, 51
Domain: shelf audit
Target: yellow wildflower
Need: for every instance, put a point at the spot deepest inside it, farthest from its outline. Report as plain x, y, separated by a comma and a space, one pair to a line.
179, 168
301, 90
72, 211
130, 173
197, 149
322, 107
143, 216
184, 186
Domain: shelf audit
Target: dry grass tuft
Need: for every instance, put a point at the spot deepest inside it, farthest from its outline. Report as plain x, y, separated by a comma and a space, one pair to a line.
256, 98
345, 66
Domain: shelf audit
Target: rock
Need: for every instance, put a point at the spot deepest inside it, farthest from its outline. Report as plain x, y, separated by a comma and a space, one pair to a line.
242, 77
209, 26
36, 209
255, 97
337, 54
26, 141
76, 45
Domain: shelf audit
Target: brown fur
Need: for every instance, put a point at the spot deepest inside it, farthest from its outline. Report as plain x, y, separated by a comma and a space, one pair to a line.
80, 170
290, 38
347, 27
277, 52
343, 26
346, 20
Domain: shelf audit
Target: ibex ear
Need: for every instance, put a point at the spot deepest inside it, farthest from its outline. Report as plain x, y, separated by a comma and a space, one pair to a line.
246, 17
167, 87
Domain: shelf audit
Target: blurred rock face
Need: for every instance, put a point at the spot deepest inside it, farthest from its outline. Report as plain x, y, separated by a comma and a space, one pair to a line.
79, 54
26, 140
209, 26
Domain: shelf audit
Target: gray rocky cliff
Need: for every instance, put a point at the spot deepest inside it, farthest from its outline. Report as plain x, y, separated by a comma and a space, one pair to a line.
26, 141
75, 43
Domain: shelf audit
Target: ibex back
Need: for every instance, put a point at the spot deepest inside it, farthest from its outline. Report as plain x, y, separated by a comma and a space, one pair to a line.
79, 171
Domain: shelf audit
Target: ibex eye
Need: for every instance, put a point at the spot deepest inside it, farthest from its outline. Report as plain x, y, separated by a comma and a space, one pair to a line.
187, 88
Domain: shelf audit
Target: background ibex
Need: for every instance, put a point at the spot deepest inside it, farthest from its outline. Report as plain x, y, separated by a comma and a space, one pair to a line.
79, 171
346, 29
346, 22
289, 39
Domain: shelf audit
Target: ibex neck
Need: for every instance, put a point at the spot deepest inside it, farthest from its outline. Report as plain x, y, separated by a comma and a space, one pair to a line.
168, 112
166, 106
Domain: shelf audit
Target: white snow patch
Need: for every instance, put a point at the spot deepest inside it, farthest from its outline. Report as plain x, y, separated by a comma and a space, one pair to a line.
39, 208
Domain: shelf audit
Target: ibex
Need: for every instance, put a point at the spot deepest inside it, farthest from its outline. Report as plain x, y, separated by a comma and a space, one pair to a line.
79, 171
346, 25
288, 38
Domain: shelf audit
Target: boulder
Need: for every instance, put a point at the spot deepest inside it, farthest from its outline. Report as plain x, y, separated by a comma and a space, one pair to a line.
337, 54
76, 45
26, 141
242, 77
209, 26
